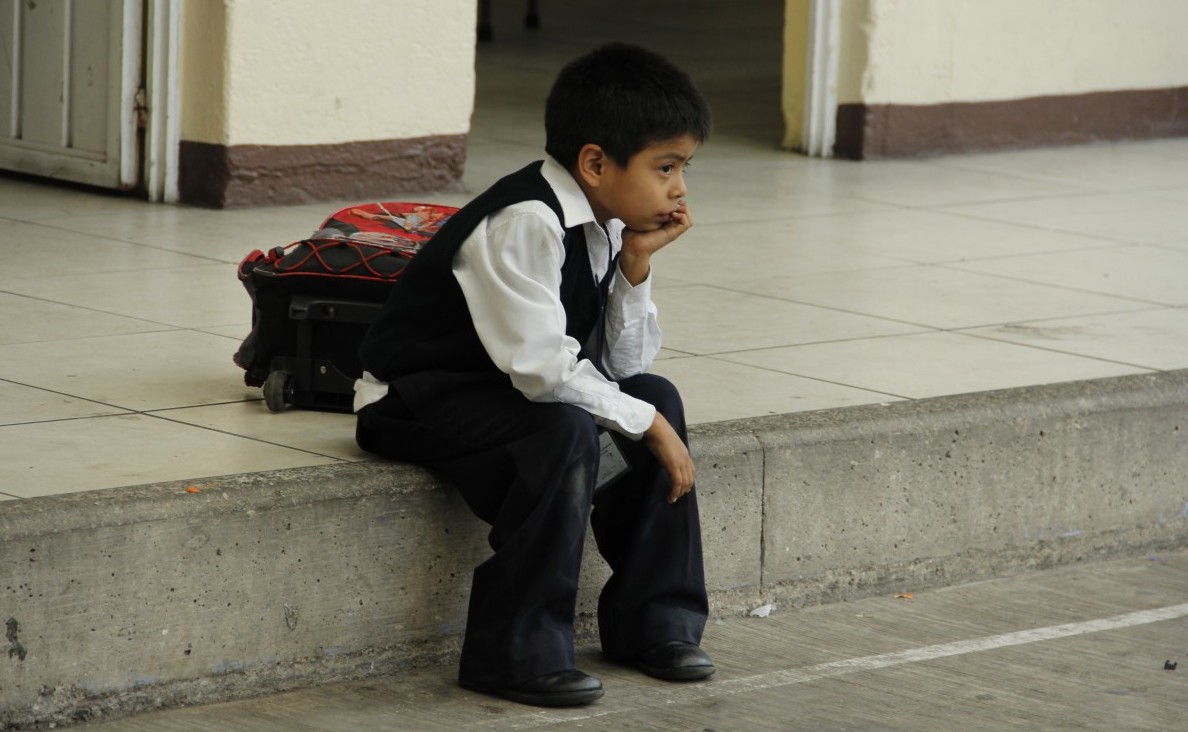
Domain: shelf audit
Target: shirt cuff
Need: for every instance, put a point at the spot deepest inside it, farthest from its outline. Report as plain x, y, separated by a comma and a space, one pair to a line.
631, 302
635, 417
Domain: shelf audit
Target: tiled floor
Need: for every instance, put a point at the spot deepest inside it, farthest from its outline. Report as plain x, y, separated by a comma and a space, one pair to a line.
806, 284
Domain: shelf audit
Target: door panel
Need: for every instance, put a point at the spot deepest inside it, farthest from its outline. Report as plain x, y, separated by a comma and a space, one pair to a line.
89, 75
71, 69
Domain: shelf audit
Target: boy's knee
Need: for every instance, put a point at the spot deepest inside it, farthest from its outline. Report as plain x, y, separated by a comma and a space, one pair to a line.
657, 391
569, 429
576, 425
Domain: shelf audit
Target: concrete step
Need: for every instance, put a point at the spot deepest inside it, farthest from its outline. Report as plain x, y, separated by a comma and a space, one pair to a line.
123, 600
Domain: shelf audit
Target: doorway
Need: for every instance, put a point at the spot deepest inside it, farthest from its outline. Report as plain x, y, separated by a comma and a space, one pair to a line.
69, 104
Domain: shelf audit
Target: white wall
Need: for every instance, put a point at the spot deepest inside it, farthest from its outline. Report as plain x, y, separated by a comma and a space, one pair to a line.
311, 72
937, 51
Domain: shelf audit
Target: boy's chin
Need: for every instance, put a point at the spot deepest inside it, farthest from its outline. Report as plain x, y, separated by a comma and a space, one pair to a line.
643, 227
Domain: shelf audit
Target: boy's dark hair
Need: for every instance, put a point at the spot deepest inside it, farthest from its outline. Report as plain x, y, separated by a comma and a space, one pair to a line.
621, 98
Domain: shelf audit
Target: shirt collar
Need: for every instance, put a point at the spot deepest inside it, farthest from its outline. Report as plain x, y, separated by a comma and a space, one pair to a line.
574, 206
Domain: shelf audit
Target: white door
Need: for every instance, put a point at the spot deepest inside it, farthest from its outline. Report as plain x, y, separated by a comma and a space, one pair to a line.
69, 75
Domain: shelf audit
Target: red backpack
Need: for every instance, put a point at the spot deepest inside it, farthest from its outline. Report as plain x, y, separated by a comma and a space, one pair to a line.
313, 299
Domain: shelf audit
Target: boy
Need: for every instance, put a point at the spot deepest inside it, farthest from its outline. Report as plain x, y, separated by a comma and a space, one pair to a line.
522, 328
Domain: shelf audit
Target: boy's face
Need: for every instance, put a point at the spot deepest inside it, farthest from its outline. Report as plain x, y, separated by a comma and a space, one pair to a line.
645, 194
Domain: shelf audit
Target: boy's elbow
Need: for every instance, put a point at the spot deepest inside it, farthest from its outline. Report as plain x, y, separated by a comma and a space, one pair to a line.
533, 387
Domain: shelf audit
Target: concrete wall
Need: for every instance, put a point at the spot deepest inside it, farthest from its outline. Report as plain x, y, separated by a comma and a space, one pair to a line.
307, 72
122, 600
286, 101
936, 51
933, 76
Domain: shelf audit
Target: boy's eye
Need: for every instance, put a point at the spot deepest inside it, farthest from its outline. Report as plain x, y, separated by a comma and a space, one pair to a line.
670, 167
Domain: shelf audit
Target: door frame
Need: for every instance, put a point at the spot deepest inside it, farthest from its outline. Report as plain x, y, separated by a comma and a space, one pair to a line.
163, 95
820, 87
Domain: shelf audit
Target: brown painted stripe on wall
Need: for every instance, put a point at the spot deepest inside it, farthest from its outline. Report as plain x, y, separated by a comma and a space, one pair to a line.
902, 130
237, 176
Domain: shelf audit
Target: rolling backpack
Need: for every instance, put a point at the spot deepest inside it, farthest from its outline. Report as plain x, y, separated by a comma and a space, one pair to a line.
312, 301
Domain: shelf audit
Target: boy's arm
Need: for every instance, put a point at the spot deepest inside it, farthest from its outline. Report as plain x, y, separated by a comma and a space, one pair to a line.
633, 316
509, 272
632, 333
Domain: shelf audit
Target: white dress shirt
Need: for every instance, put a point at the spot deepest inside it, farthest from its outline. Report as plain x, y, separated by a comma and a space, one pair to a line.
509, 270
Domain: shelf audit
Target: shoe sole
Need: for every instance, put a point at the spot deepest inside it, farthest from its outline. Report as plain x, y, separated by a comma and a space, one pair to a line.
560, 699
568, 699
685, 673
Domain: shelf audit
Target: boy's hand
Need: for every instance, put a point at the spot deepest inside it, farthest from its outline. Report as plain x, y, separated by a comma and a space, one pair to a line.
663, 442
639, 246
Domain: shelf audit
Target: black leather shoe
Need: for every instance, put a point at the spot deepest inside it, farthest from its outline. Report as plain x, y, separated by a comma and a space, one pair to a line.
675, 661
570, 688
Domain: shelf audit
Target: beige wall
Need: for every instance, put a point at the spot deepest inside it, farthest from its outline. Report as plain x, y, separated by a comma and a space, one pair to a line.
937, 51
918, 77
311, 72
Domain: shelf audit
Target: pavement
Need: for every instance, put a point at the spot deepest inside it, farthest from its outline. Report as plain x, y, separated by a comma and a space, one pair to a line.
1076, 648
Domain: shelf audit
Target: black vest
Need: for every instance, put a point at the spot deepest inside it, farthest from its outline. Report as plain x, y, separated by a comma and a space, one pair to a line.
424, 340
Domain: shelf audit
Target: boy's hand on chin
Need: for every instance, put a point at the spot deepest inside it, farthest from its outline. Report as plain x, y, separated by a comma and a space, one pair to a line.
639, 246
647, 243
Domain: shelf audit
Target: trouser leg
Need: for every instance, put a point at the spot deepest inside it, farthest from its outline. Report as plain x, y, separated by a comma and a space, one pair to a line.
657, 588
527, 469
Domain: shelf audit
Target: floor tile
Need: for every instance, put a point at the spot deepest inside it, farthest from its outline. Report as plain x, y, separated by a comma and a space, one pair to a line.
704, 320
134, 450
917, 184
938, 297
24, 404
1134, 166
186, 297
330, 434
39, 250
487, 162
1139, 218
1178, 194
930, 364
750, 201
140, 372
1148, 273
236, 332
1154, 339
715, 390
215, 235
717, 253
31, 320
1163, 148
31, 199
865, 240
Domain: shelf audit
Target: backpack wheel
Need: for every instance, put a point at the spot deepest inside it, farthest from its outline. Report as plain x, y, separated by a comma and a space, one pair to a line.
276, 390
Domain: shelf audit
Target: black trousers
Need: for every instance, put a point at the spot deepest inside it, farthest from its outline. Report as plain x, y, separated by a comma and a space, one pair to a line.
528, 469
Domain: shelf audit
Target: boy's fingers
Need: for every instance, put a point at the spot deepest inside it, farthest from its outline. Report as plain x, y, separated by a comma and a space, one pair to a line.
682, 482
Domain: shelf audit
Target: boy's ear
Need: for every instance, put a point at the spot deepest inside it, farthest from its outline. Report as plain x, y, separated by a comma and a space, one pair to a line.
591, 164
